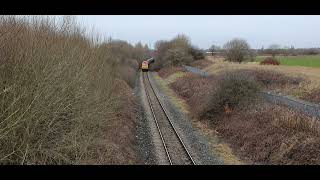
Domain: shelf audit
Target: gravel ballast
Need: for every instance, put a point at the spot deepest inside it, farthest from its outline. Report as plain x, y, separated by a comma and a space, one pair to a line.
145, 145
196, 143
151, 147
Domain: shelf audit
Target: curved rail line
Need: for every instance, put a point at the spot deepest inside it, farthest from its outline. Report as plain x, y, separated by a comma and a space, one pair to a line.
166, 144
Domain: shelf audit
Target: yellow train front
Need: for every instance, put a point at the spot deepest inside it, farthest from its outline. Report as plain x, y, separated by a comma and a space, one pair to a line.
145, 66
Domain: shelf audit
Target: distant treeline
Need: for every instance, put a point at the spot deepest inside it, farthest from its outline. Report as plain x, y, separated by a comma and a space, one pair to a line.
289, 51
281, 51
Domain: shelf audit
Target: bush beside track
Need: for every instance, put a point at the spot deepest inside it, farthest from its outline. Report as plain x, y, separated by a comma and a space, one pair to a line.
258, 132
59, 95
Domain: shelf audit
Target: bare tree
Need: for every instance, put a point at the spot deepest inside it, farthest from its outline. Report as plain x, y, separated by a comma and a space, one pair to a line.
285, 50
213, 49
237, 50
274, 49
252, 55
176, 52
292, 51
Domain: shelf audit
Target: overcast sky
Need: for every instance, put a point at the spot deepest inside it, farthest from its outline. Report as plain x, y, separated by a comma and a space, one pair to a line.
299, 31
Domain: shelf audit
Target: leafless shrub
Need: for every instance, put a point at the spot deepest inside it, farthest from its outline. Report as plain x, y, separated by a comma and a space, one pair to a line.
270, 61
176, 52
177, 57
274, 49
128, 74
216, 94
196, 53
166, 72
269, 134
233, 89
269, 78
57, 94
257, 131
313, 96
195, 90
237, 50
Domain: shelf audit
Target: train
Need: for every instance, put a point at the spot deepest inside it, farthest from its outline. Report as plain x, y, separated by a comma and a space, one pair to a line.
145, 64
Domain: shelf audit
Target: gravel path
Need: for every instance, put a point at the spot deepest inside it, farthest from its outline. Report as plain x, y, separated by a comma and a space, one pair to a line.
196, 71
305, 107
196, 144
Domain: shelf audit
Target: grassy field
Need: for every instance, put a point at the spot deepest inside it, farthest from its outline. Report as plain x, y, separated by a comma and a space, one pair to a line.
307, 61
310, 74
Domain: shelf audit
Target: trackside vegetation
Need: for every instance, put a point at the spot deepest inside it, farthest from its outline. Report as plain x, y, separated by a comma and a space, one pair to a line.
62, 97
176, 52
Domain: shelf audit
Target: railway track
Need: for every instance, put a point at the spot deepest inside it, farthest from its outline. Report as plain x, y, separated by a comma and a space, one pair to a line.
176, 151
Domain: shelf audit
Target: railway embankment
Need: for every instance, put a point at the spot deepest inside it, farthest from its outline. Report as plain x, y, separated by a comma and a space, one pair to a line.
309, 108
259, 132
203, 150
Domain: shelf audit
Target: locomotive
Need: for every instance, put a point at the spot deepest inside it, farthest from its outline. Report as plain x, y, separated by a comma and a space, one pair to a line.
145, 64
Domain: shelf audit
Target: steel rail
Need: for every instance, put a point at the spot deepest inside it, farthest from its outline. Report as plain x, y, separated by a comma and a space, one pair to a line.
170, 121
156, 121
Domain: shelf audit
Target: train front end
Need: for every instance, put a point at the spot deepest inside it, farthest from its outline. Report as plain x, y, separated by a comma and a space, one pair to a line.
145, 66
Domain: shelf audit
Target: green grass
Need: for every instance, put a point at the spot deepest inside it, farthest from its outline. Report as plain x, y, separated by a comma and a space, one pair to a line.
307, 61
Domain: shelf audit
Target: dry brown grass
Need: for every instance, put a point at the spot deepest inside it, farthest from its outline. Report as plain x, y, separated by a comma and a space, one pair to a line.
58, 96
312, 73
268, 134
119, 135
128, 74
310, 76
214, 94
201, 63
214, 58
195, 90
272, 80
313, 96
222, 149
167, 71
259, 133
